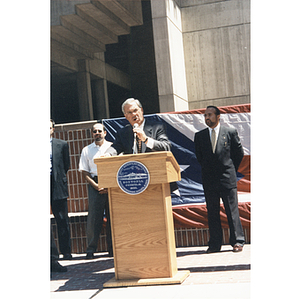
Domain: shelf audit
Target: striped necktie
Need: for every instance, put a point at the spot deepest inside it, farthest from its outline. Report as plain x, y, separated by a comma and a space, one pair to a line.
139, 145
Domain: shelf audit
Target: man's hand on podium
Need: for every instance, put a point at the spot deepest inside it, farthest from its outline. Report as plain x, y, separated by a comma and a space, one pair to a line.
105, 155
103, 190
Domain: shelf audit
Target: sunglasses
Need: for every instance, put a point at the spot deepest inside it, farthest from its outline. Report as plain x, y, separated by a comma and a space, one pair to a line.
97, 130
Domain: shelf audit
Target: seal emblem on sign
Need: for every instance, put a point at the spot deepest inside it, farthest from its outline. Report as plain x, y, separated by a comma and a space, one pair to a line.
133, 177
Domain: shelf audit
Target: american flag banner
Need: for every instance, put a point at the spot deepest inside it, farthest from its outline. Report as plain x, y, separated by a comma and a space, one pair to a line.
181, 128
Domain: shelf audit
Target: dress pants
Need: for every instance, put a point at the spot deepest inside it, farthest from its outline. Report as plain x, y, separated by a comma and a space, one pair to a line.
98, 203
60, 212
229, 198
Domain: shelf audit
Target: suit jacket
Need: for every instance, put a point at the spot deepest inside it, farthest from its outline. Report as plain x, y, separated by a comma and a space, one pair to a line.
60, 167
124, 139
219, 168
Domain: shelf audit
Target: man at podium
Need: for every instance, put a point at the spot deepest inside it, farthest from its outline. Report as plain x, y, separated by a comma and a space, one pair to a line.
140, 135
141, 251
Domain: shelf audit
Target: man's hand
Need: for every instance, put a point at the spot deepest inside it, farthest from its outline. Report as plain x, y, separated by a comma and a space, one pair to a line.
103, 190
94, 185
105, 155
140, 134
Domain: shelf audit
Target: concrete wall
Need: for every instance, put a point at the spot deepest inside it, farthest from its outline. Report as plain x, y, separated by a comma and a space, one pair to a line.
202, 51
216, 39
170, 67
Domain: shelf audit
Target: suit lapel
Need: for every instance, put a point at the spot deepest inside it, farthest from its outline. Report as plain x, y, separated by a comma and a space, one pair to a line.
149, 132
208, 138
129, 138
221, 139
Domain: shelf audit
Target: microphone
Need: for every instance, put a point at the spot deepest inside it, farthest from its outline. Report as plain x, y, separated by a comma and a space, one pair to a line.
135, 125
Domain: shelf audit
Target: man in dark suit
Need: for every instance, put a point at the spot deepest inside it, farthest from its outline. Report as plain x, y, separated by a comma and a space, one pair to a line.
150, 136
59, 166
219, 151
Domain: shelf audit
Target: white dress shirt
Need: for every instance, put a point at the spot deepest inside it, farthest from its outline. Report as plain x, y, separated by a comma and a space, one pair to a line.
88, 154
217, 130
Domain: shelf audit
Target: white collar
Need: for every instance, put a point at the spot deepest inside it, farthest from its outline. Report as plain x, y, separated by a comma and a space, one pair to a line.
142, 125
217, 129
95, 145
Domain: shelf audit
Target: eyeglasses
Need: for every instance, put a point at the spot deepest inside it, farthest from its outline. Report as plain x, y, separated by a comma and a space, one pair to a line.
133, 111
97, 130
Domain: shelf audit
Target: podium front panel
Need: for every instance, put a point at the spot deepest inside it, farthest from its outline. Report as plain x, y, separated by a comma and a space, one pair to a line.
143, 233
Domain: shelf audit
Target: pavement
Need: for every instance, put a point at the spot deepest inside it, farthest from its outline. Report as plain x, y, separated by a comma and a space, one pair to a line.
222, 275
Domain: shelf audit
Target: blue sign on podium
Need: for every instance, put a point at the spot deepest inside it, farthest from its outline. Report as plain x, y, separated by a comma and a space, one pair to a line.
133, 177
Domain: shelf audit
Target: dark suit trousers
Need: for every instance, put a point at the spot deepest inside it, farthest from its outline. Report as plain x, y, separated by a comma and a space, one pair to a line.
229, 198
60, 212
98, 203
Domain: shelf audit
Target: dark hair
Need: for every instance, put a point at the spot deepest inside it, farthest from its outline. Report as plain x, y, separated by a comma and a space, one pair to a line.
215, 108
53, 123
98, 123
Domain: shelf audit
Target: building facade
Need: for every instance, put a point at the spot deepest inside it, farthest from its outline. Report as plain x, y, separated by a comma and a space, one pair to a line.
173, 55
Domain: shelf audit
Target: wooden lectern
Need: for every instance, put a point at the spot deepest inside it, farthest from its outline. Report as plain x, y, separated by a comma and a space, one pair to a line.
142, 224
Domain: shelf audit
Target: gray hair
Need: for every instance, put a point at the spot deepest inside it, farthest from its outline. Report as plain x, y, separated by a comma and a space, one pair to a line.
129, 101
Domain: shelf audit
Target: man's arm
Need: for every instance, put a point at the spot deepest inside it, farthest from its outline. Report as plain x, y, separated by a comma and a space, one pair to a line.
161, 141
121, 143
198, 148
111, 151
83, 167
154, 136
90, 181
88, 178
237, 151
66, 156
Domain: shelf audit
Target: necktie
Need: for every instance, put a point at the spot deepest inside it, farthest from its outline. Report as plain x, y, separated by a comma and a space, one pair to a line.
139, 145
213, 140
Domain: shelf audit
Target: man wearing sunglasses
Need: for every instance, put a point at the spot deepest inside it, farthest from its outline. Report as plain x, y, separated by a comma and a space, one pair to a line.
98, 198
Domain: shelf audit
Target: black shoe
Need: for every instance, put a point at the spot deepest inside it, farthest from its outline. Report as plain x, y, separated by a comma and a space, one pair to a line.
212, 250
67, 256
237, 248
57, 267
89, 255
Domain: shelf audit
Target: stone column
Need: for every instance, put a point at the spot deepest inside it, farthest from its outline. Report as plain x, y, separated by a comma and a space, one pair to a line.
169, 55
101, 98
84, 91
